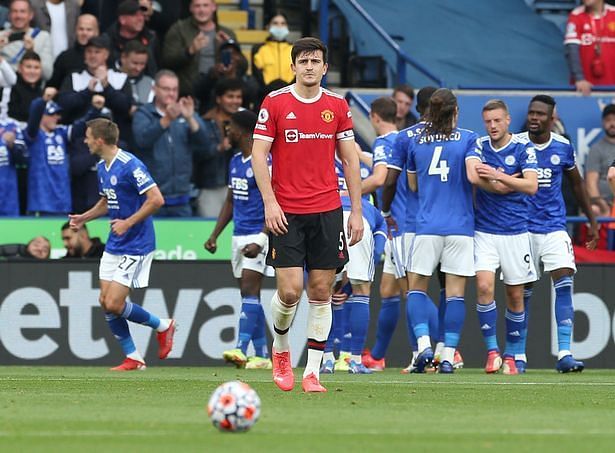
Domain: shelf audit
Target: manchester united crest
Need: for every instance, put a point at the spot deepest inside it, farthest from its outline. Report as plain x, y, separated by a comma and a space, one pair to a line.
327, 116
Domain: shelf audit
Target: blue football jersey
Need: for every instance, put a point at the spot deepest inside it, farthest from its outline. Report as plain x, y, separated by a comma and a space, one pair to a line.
445, 194
371, 214
248, 208
498, 213
365, 170
547, 211
9, 194
49, 171
124, 185
383, 151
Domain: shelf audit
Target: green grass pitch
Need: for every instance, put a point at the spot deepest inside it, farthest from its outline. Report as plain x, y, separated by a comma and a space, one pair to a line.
163, 409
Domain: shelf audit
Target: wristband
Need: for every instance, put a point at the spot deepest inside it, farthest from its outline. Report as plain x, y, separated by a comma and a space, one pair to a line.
261, 239
385, 214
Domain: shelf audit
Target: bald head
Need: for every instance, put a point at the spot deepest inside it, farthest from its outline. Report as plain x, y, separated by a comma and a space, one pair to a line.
87, 27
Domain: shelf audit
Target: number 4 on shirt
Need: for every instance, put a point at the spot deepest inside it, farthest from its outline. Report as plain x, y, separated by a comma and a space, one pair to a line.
437, 166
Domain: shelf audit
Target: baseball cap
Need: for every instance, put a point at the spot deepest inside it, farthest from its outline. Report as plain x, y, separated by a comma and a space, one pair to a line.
608, 110
52, 108
100, 42
230, 43
129, 7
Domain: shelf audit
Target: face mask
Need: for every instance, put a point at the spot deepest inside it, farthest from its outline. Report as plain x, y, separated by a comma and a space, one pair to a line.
279, 33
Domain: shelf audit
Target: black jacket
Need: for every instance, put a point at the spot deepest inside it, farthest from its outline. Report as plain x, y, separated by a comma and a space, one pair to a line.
69, 61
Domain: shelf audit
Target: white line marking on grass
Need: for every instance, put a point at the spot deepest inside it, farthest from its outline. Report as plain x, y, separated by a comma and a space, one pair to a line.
325, 381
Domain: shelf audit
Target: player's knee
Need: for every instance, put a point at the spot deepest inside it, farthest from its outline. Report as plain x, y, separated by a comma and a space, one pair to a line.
484, 290
289, 296
112, 304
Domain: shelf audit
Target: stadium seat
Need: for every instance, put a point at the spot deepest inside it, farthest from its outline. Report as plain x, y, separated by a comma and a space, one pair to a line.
251, 36
367, 72
233, 19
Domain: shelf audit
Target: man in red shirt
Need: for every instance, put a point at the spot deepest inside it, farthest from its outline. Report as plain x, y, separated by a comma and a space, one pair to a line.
301, 125
590, 45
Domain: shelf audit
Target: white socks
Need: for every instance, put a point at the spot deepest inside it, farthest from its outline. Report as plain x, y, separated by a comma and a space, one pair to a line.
319, 325
282, 319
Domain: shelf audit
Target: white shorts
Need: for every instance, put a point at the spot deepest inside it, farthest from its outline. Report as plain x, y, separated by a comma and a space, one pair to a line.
409, 239
554, 250
241, 262
360, 266
129, 270
454, 253
395, 257
509, 252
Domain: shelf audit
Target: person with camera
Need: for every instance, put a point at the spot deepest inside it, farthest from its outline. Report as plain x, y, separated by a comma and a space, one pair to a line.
191, 46
19, 37
590, 45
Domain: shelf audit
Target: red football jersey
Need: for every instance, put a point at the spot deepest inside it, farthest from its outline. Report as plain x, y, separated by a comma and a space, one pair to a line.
592, 33
304, 133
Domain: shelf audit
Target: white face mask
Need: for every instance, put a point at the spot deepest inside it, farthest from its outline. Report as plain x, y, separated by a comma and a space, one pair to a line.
278, 33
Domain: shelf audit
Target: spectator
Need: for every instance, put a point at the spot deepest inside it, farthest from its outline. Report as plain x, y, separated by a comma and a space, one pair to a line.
130, 26
12, 152
168, 134
271, 59
59, 18
157, 18
133, 62
211, 171
38, 248
29, 86
104, 10
79, 244
601, 156
8, 77
191, 45
73, 59
48, 166
231, 65
403, 95
590, 45
83, 175
78, 89
20, 37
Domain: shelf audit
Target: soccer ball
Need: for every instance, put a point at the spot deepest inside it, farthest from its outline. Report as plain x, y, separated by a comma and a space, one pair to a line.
234, 406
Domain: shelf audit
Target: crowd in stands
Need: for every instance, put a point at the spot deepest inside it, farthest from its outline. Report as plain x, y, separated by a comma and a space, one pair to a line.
166, 72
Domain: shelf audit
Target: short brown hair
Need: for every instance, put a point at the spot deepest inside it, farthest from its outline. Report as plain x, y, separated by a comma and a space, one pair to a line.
406, 89
105, 129
309, 45
495, 104
386, 108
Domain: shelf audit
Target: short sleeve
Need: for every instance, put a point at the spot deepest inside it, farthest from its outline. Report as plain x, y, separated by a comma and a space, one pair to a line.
573, 27
344, 125
381, 150
475, 147
527, 158
139, 177
570, 160
398, 156
410, 162
265, 128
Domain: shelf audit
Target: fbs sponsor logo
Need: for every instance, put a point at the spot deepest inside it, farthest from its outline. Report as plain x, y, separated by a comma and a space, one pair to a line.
293, 136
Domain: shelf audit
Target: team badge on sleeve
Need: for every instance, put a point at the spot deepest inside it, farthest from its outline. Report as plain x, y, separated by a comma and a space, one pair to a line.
263, 116
141, 177
327, 116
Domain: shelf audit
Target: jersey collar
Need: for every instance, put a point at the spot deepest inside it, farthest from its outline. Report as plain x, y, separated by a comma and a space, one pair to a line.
305, 100
545, 145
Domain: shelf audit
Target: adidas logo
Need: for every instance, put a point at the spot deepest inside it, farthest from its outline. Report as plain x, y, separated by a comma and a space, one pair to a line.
485, 327
515, 333
291, 116
566, 322
243, 316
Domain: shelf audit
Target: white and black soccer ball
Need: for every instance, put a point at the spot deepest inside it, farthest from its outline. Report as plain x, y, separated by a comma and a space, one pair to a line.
234, 406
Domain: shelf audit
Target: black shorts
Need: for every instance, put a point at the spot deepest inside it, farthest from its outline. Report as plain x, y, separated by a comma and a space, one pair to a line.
316, 241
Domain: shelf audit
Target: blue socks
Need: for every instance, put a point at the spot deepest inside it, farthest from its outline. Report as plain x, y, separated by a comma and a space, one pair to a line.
387, 321
259, 339
337, 332
514, 326
527, 296
487, 319
434, 324
120, 330
453, 321
359, 323
441, 313
345, 326
564, 312
136, 313
250, 313
417, 311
